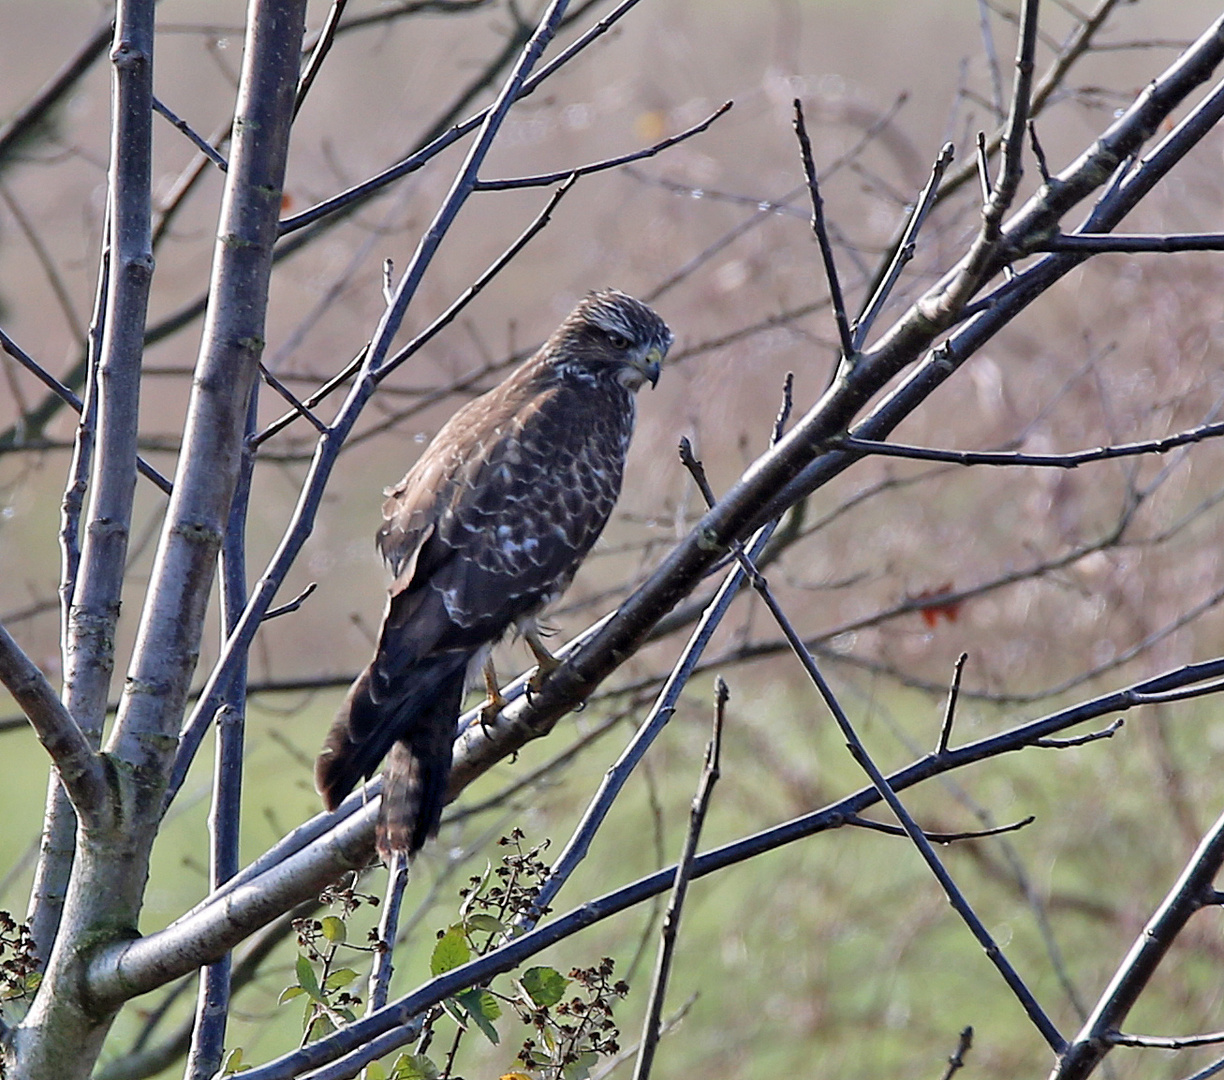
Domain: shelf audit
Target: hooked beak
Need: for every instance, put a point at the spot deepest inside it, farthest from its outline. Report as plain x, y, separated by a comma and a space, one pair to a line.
650, 365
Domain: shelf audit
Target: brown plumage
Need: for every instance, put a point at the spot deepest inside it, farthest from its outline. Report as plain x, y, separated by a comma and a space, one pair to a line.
487, 528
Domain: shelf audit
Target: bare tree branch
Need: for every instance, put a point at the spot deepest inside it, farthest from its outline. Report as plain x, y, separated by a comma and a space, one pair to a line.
79, 767
1193, 891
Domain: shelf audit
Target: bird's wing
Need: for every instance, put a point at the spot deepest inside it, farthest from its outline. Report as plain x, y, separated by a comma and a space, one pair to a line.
495, 522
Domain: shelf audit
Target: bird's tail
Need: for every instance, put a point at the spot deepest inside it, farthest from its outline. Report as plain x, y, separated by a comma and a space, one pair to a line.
413, 725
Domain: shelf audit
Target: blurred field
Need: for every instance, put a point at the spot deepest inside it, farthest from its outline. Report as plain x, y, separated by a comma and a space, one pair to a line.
837, 956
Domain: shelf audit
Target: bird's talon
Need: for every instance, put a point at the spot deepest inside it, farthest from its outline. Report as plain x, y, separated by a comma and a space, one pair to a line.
547, 665
489, 713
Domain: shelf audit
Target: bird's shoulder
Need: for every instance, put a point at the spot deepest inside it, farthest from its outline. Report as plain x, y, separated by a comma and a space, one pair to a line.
497, 441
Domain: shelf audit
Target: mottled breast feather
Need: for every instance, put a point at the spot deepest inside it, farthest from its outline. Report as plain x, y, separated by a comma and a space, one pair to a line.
498, 514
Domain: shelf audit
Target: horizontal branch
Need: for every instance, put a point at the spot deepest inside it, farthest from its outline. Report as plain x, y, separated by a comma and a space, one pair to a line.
544, 179
1095, 244
321, 849
941, 837
129, 968
375, 1035
1071, 460
1166, 1042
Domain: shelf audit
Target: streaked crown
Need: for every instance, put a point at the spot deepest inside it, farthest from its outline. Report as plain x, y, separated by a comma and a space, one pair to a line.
609, 327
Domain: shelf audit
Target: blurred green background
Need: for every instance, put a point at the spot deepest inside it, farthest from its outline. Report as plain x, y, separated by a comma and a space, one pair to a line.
833, 956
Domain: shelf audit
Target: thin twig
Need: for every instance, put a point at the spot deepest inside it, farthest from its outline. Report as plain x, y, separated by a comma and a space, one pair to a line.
822, 236
957, 1061
388, 280
198, 141
290, 397
784, 410
1072, 460
983, 168
1138, 243
1081, 740
388, 924
1043, 166
939, 837
293, 604
1166, 1042
945, 732
69, 398
339, 379
905, 249
543, 179
1181, 694
318, 54
651, 1026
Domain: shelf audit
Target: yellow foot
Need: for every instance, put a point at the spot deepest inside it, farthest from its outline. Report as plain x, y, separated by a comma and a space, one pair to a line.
545, 668
490, 711
547, 663
494, 702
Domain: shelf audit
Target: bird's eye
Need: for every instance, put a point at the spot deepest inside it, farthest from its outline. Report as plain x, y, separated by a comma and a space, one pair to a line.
617, 341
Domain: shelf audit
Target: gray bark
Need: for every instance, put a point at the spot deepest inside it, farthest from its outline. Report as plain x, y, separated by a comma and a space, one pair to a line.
63, 1032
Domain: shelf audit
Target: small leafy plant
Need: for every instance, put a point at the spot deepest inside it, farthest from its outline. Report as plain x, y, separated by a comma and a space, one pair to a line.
321, 977
19, 975
568, 1032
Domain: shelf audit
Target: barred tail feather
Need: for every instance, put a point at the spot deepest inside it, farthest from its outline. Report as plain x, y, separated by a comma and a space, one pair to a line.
414, 726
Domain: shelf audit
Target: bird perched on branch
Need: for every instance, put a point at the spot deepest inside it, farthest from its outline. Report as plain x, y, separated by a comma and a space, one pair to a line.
487, 528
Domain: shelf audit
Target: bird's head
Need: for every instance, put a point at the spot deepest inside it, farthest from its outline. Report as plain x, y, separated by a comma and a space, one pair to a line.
609, 333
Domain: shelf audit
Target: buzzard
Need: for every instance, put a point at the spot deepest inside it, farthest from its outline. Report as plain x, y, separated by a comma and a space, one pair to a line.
487, 528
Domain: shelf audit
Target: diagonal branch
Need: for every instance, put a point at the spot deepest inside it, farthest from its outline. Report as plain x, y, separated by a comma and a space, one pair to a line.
80, 768
1192, 892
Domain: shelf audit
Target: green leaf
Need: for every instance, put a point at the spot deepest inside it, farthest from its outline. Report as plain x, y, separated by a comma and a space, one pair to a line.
339, 979
451, 951
289, 993
307, 979
321, 1025
374, 1071
580, 1068
414, 1067
334, 930
453, 1010
232, 1063
544, 985
482, 1007
485, 923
